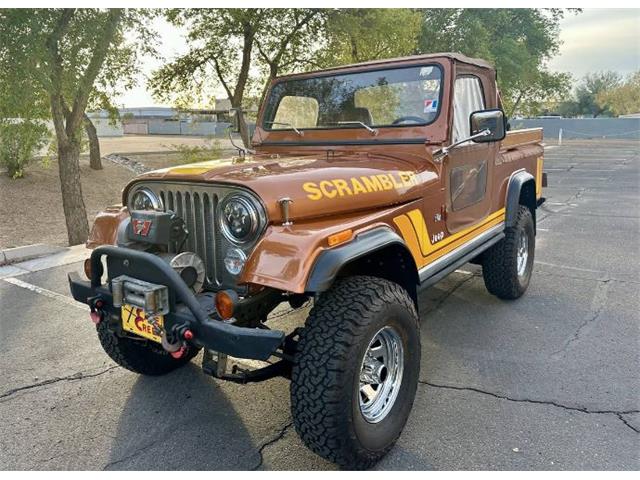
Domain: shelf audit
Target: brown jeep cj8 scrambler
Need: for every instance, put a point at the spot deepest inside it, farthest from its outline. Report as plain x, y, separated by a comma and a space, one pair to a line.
368, 183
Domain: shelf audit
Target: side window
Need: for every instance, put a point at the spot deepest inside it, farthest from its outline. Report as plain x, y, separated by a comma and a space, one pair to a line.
468, 184
467, 98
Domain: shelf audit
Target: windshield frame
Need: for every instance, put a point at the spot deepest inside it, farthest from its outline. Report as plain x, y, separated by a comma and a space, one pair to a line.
267, 126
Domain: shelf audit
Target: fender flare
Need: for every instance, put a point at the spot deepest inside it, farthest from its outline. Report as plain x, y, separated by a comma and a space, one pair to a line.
329, 262
516, 182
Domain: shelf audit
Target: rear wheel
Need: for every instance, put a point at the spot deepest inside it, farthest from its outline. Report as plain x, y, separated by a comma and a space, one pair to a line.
507, 266
140, 356
356, 369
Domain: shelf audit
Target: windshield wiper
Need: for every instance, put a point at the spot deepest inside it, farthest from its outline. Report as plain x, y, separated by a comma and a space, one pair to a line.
287, 125
356, 122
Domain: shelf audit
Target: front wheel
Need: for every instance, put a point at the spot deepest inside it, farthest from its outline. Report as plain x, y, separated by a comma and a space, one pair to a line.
355, 371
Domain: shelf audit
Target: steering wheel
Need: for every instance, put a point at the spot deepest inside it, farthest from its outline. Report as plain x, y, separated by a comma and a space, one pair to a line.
408, 118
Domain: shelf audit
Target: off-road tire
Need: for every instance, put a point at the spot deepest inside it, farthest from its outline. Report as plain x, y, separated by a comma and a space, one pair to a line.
499, 263
140, 356
326, 370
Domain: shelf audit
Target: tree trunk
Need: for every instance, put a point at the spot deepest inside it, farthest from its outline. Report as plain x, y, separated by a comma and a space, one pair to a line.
242, 126
72, 202
95, 161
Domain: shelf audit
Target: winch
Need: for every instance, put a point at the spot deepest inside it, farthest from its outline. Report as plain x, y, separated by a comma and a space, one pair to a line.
167, 231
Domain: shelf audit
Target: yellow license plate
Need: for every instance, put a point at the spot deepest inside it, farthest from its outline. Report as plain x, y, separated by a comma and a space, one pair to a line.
134, 320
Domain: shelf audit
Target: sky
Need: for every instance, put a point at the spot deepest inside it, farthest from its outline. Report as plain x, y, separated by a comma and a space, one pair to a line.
594, 40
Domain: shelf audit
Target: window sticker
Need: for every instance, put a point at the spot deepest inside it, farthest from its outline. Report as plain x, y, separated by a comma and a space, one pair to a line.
426, 71
430, 106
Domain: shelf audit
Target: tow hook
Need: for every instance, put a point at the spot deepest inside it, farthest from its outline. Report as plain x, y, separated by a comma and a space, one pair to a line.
179, 353
179, 348
169, 346
96, 311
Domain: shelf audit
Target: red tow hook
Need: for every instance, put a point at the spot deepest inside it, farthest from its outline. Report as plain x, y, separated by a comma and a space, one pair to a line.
96, 313
187, 335
96, 317
179, 353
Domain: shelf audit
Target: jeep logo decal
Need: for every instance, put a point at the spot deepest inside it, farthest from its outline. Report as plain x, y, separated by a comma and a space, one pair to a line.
141, 227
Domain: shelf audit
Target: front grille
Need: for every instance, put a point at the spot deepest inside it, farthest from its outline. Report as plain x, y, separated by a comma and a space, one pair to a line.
198, 209
197, 205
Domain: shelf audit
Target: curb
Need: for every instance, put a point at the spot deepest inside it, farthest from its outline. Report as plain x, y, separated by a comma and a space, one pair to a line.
28, 252
58, 256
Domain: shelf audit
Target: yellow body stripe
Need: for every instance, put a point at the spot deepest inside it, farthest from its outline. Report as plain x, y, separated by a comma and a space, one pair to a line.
539, 168
414, 231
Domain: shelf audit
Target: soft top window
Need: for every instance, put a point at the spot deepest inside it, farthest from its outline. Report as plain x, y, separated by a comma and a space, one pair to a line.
379, 98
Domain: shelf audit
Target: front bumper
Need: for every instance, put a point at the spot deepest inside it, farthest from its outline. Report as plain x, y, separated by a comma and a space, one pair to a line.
187, 311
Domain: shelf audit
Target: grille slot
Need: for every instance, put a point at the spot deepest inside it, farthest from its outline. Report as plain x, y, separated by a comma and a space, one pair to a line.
198, 210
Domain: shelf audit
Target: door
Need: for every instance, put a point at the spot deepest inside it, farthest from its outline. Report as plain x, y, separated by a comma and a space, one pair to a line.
467, 168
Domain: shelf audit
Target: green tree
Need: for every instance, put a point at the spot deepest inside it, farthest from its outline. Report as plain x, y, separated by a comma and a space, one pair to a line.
623, 99
225, 43
594, 85
518, 41
121, 68
64, 59
362, 34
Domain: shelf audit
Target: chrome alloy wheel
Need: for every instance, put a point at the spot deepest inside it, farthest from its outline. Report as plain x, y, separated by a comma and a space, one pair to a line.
522, 254
381, 374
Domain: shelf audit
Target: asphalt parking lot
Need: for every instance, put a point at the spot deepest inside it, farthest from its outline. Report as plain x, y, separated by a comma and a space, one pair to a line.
549, 381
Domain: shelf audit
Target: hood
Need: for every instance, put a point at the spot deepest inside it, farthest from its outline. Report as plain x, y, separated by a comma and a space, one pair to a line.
318, 184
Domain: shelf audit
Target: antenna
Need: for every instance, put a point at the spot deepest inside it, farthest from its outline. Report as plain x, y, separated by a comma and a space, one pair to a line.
241, 150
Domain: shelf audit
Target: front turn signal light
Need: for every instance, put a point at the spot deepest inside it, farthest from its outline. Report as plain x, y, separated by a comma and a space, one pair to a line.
87, 268
340, 237
226, 301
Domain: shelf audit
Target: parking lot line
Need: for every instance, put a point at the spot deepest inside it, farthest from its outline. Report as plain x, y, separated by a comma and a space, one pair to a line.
47, 293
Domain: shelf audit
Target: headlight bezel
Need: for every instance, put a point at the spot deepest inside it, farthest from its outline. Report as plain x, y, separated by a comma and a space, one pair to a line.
255, 213
155, 199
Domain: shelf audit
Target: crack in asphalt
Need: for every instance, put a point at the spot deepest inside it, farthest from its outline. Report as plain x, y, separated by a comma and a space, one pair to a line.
68, 378
618, 413
597, 306
275, 439
587, 279
623, 420
131, 455
597, 215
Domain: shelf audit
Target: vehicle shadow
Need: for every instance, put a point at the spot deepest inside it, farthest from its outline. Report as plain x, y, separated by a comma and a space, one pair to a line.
181, 421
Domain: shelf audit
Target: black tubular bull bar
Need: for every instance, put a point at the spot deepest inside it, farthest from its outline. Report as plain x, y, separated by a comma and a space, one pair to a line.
185, 309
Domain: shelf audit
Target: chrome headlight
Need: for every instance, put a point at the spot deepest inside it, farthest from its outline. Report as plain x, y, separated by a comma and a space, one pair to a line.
145, 199
239, 218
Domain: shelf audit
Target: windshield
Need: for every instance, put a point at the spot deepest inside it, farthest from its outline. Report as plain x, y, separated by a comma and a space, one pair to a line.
380, 98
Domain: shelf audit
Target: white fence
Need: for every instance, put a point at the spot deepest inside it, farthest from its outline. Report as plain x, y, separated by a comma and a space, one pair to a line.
584, 128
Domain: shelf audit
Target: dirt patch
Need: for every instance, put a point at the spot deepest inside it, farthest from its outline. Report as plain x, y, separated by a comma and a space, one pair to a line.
155, 161
31, 207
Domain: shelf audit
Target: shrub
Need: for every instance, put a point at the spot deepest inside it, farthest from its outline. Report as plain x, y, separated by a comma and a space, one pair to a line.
19, 143
211, 150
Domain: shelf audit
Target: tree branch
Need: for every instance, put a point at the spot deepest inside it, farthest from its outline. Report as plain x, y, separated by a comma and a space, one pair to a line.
249, 36
103, 42
55, 74
216, 66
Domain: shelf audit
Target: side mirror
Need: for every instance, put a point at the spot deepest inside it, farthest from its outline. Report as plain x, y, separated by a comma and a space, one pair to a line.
492, 120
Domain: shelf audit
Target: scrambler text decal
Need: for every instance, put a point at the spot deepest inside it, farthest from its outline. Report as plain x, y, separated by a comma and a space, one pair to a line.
359, 185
